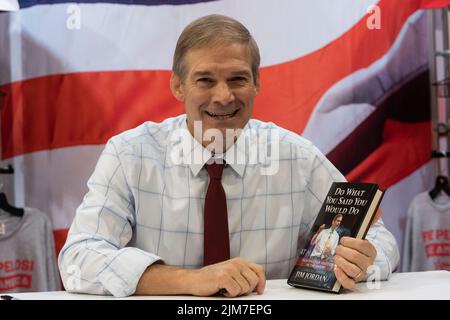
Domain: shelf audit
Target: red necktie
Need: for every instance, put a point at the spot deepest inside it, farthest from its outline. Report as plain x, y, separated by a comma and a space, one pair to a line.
216, 238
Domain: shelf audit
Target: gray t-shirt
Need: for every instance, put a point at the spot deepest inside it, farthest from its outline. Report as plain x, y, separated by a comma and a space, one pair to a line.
27, 253
427, 234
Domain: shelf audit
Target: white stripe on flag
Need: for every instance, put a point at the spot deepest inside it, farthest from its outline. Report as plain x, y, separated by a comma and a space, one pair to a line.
55, 181
9, 5
133, 37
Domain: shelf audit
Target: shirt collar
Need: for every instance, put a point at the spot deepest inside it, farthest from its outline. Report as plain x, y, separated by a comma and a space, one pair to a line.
236, 155
197, 155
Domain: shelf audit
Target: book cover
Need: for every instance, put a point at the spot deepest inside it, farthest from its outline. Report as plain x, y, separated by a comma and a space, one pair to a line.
348, 210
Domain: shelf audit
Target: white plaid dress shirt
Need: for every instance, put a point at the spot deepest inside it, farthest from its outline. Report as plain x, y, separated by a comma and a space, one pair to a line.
144, 204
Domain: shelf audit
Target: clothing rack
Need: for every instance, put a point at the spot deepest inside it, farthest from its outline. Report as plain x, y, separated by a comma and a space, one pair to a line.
4, 204
439, 61
8, 170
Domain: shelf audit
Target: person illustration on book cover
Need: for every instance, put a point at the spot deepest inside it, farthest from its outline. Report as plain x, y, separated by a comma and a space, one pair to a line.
325, 241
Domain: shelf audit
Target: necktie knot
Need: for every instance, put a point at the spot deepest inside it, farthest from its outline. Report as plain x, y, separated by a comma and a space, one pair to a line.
215, 170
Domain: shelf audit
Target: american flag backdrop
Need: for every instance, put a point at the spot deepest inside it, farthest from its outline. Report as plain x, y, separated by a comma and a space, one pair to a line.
352, 76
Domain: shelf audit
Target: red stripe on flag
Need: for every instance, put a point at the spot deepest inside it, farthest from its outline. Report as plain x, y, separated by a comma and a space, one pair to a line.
405, 148
79, 109
88, 108
429, 4
60, 236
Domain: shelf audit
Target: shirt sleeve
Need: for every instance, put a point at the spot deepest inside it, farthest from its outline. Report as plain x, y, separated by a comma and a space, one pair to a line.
388, 255
95, 258
323, 174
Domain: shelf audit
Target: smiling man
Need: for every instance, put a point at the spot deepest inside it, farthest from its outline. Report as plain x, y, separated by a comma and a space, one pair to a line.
151, 224
217, 87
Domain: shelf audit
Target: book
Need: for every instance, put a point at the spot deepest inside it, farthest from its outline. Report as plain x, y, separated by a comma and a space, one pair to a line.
348, 210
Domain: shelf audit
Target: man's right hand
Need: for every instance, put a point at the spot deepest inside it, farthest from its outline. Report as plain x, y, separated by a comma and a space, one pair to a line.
236, 277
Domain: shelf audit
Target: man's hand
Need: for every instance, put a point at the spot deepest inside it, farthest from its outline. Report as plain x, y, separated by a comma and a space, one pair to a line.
235, 277
353, 258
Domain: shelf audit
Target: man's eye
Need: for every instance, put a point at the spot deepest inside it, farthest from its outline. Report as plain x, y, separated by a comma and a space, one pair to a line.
205, 80
239, 79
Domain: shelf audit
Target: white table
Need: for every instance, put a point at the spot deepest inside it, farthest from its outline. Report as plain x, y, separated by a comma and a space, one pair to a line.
401, 286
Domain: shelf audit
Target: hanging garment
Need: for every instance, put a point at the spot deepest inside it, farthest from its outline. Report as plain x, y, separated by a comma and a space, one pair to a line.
427, 234
27, 253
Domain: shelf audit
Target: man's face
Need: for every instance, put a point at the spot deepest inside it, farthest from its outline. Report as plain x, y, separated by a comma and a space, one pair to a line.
218, 88
336, 223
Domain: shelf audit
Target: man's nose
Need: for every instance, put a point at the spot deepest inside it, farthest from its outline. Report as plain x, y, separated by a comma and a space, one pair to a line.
222, 94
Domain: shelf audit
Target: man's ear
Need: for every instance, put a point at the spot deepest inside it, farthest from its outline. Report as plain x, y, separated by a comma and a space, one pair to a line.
257, 85
176, 86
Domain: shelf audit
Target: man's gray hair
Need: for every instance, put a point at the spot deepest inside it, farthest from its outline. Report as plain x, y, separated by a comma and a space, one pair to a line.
213, 30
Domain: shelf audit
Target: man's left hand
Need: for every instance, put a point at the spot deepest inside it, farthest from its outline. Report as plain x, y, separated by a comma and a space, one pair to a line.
353, 258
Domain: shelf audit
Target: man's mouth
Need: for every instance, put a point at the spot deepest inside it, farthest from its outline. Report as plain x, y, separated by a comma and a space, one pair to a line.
222, 116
